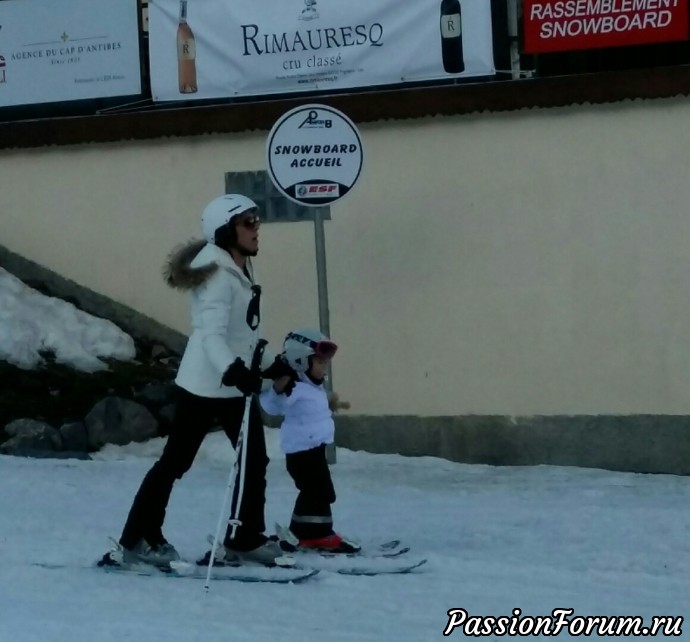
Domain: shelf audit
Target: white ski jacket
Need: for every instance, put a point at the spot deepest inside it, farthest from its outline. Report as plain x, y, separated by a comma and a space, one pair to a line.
308, 421
220, 294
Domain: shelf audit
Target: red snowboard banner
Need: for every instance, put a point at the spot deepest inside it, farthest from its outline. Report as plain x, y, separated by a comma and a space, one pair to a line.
565, 25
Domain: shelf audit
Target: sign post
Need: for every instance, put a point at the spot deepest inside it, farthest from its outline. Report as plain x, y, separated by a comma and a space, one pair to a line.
314, 158
322, 280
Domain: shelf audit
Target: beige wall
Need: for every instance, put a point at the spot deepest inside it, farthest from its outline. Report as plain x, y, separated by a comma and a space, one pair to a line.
529, 262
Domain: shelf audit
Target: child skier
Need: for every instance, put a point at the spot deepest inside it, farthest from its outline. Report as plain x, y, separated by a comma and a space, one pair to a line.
306, 429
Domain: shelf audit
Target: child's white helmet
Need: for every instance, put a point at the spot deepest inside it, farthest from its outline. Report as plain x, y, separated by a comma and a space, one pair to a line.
220, 210
302, 344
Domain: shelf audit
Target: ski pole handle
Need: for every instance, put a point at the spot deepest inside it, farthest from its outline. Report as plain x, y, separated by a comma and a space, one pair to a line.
258, 355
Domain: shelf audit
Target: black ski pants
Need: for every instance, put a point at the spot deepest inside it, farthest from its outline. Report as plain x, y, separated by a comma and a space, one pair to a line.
193, 418
312, 516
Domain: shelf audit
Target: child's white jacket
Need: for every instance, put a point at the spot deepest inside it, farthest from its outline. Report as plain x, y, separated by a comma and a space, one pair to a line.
308, 419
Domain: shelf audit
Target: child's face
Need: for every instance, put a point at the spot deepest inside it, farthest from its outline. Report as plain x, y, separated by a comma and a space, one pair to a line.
319, 367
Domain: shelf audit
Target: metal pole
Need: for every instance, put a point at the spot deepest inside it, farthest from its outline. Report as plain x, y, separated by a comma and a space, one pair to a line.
322, 284
240, 451
513, 35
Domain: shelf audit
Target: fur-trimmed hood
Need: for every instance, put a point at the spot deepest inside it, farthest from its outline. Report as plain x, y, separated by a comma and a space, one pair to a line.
192, 264
178, 271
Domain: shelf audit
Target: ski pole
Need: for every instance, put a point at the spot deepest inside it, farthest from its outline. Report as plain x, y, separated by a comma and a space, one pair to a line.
234, 520
229, 488
240, 452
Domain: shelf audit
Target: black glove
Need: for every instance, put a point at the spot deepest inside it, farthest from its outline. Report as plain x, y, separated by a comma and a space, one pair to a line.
238, 375
279, 368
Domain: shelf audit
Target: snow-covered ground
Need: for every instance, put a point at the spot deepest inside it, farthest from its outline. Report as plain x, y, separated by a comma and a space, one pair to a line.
497, 539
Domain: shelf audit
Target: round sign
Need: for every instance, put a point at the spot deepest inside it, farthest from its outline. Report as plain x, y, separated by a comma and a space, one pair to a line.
314, 155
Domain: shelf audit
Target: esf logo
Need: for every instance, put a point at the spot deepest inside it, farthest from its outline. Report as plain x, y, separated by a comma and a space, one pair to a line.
313, 120
328, 190
2, 69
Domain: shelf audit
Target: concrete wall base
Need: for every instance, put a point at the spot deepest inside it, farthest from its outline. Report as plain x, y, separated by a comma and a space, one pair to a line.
633, 443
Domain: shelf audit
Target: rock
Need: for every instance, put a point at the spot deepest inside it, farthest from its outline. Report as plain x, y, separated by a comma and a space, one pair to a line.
157, 394
159, 351
30, 435
75, 438
167, 413
114, 420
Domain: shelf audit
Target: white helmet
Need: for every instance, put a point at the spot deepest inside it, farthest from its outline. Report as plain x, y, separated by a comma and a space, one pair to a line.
302, 344
220, 210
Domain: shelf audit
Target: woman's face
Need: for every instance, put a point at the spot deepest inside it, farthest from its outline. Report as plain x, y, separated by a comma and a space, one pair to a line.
247, 230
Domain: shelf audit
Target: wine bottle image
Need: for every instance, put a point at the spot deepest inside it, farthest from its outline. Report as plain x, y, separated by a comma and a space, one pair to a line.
186, 53
451, 36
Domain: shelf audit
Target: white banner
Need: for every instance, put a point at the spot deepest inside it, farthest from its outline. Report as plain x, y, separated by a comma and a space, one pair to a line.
203, 49
68, 50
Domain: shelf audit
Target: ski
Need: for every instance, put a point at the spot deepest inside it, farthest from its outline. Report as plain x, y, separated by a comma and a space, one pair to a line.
376, 553
379, 560
400, 569
360, 565
370, 553
245, 573
272, 575
377, 563
388, 549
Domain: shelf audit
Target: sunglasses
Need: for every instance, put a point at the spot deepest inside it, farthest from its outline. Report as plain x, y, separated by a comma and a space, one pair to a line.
250, 222
324, 349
